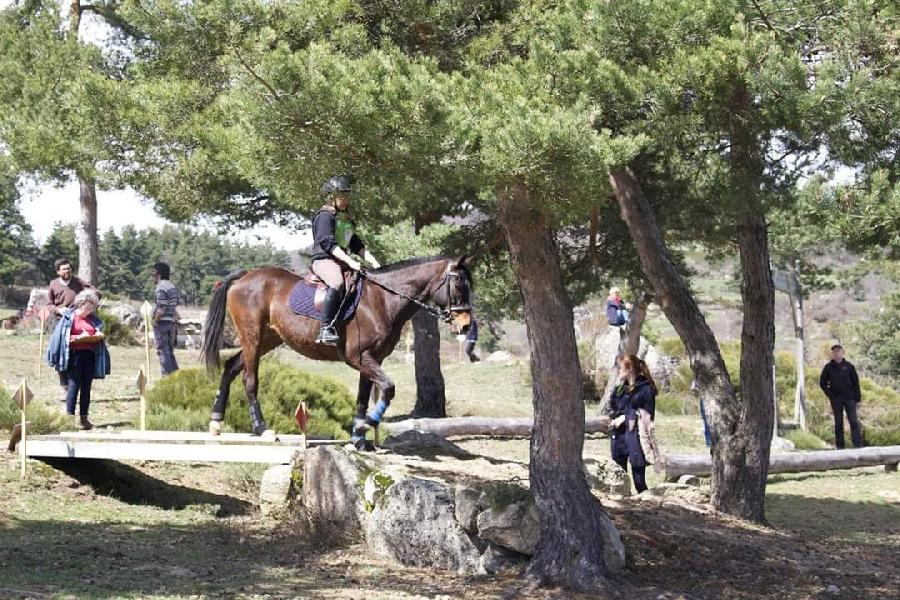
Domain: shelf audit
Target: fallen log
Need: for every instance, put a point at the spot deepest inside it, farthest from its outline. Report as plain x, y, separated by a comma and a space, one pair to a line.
793, 462
499, 427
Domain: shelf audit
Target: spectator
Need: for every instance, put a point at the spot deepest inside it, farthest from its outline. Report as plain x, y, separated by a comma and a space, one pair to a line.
78, 350
61, 295
164, 319
634, 394
471, 339
840, 383
616, 312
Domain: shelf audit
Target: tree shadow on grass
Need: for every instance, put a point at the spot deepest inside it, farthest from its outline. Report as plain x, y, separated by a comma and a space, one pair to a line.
122, 560
706, 556
133, 486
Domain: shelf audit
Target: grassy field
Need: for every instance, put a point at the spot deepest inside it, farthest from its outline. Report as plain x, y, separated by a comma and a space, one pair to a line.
180, 531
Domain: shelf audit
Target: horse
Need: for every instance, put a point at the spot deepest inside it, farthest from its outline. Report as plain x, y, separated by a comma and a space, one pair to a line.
258, 303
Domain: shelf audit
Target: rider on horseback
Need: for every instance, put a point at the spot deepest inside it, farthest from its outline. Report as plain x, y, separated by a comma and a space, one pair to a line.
333, 239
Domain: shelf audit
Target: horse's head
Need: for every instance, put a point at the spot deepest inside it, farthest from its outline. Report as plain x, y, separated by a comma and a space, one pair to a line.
452, 291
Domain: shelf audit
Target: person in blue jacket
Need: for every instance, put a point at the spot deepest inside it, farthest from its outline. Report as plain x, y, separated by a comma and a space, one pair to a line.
635, 392
77, 348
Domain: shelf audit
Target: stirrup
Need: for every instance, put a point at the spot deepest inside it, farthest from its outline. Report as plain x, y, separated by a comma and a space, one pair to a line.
328, 336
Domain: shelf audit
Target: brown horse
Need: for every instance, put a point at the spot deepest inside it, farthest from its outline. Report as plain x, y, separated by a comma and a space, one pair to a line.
258, 303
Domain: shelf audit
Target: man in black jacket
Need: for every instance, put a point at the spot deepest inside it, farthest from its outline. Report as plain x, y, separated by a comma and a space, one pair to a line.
840, 383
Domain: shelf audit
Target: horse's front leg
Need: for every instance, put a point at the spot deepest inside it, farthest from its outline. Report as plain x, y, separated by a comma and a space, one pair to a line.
358, 433
371, 370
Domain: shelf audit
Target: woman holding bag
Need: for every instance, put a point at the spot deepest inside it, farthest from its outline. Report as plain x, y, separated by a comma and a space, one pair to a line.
77, 349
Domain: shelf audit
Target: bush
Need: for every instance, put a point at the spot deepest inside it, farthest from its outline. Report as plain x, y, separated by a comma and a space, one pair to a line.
42, 418
182, 401
803, 440
672, 346
117, 333
678, 404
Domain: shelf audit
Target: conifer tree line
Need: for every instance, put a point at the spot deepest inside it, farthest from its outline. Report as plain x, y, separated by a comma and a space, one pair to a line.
197, 259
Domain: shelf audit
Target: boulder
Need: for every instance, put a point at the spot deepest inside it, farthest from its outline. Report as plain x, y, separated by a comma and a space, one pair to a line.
496, 559
275, 489
331, 492
662, 367
677, 492
781, 444
613, 548
467, 508
499, 357
691, 480
126, 313
608, 477
414, 524
515, 527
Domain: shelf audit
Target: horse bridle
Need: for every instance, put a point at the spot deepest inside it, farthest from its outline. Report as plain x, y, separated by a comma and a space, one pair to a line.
446, 314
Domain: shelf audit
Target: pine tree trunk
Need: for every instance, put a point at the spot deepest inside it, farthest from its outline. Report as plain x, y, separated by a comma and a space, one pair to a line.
431, 400
731, 472
88, 246
569, 552
749, 451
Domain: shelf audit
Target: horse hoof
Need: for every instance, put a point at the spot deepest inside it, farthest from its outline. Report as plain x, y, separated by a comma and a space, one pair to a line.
364, 445
215, 427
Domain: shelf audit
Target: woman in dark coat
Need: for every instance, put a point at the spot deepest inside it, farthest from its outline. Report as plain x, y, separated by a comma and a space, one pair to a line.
634, 393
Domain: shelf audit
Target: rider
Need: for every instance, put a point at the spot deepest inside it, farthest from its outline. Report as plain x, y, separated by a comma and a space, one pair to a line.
333, 239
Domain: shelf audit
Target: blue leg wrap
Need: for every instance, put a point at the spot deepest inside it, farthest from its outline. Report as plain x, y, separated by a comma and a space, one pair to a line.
374, 417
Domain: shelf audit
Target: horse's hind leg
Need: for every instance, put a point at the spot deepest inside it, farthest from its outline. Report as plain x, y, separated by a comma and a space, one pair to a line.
233, 366
251, 381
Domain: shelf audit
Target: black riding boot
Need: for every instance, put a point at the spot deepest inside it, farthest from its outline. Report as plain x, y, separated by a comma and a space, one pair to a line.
327, 334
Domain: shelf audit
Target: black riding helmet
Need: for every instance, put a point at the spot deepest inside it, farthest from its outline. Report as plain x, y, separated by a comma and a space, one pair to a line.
338, 183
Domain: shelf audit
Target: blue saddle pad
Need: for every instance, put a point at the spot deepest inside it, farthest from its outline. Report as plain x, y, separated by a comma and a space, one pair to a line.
302, 301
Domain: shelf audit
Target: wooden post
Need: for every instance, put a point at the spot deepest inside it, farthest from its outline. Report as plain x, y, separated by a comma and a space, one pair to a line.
302, 417
141, 386
462, 342
147, 311
43, 316
797, 313
22, 398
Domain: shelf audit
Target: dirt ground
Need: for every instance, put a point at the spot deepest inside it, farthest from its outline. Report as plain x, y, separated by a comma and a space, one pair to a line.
181, 531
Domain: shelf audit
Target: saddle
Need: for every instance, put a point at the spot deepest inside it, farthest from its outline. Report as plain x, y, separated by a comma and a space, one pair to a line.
308, 294
311, 279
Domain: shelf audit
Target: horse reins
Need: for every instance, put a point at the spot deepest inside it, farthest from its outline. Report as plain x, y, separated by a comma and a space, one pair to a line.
437, 313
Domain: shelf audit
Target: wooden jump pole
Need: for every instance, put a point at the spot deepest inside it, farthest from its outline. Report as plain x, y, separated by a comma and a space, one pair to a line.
146, 311
141, 386
43, 316
22, 398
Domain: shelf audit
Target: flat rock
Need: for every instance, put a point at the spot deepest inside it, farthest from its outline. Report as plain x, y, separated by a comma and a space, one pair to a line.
515, 527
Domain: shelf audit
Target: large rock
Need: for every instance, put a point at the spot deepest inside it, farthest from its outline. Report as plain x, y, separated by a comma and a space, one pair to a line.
127, 314
467, 508
609, 478
331, 492
499, 356
275, 489
414, 524
613, 548
662, 367
516, 527
678, 493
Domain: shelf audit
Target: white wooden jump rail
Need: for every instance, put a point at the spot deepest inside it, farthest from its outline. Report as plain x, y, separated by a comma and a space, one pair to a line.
794, 462
169, 446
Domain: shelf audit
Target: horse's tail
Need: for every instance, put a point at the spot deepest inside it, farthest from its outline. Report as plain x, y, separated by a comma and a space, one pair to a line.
215, 321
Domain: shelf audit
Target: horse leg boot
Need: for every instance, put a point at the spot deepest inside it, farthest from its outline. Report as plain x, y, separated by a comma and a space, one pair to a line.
330, 306
257, 423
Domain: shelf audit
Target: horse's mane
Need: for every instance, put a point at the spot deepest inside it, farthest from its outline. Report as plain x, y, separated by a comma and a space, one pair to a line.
411, 262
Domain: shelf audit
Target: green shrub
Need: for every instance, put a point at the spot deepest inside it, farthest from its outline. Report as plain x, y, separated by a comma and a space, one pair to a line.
42, 418
673, 346
675, 403
804, 440
182, 401
117, 333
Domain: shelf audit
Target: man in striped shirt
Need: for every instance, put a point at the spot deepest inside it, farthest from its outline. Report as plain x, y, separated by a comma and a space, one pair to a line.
164, 320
